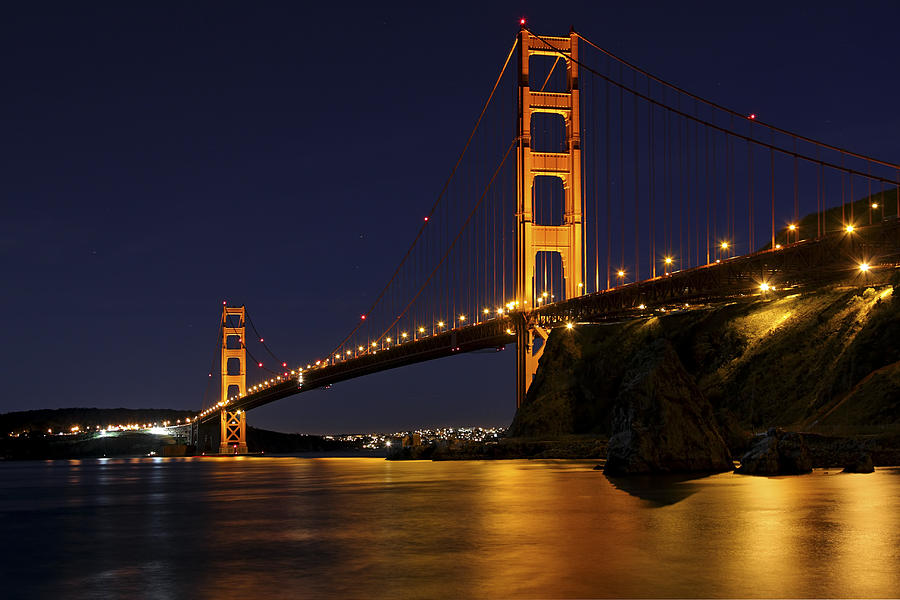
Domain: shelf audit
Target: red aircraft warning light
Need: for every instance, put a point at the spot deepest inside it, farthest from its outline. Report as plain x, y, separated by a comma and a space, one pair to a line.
752, 116
522, 21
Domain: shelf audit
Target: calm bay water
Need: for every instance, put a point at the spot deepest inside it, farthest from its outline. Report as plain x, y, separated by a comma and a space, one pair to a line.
361, 528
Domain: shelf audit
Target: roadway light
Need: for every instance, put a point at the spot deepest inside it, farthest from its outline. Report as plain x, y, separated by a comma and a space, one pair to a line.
874, 205
864, 267
724, 245
421, 330
462, 317
764, 286
792, 227
404, 335
569, 325
849, 228
620, 273
440, 323
668, 260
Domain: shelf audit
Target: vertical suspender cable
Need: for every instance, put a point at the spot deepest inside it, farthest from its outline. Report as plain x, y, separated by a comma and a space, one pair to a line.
608, 187
637, 196
596, 126
772, 190
622, 171
651, 142
666, 187
749, 197
681, 172
794, 218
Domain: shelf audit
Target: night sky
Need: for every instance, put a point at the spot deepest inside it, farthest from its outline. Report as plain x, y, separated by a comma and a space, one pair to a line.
159, 158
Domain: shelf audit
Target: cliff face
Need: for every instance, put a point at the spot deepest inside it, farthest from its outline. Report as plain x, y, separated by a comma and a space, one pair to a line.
826, 360
661, 420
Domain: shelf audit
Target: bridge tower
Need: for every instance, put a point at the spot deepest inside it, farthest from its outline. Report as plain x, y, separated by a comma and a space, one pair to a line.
233, 438
531, 236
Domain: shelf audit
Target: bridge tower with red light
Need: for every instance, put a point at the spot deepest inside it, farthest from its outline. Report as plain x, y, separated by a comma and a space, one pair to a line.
233, 438
532, 236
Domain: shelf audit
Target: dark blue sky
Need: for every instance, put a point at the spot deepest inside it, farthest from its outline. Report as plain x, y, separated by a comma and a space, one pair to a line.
159, 158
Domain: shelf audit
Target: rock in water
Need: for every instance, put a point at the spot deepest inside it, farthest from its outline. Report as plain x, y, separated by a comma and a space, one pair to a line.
861, 464
662, 423
779, 452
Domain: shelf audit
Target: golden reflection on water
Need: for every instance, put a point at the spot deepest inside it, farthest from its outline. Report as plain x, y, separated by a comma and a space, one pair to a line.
559, 529
361, 527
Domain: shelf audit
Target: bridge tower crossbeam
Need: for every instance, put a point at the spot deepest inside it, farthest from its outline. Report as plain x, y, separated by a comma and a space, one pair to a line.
532, 237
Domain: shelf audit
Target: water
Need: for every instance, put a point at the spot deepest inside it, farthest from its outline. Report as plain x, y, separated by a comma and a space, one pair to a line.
362, 528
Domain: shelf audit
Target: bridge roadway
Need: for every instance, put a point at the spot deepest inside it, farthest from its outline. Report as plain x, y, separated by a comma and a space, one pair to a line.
833, 258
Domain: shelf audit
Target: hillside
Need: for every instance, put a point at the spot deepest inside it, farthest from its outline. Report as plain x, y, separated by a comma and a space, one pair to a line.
826, 360
63, 419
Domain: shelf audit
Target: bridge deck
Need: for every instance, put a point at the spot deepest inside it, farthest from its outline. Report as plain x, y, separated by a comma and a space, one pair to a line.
833, 258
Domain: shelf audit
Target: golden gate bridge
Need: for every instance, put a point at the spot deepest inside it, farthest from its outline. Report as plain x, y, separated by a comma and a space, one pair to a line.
589, 190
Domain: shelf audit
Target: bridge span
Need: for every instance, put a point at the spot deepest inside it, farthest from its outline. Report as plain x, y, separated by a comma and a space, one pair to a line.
612, 195
868, 255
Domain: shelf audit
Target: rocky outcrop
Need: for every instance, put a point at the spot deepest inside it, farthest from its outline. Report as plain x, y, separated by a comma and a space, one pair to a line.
778, 452
860, 464
662, 423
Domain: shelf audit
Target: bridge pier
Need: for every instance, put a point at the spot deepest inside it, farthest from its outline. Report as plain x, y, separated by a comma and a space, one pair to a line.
233, 438
527, 357
532, 237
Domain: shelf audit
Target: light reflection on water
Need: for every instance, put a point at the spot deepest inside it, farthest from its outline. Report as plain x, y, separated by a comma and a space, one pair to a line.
362, 527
